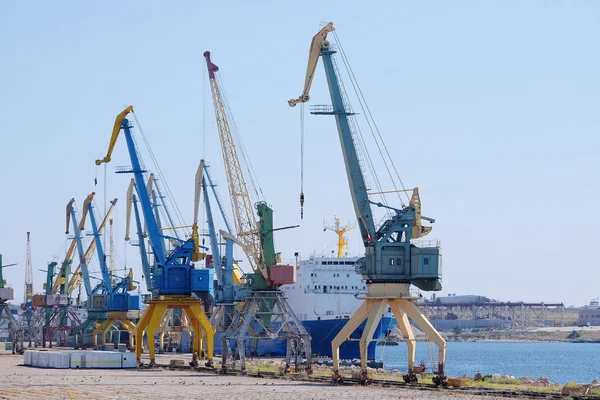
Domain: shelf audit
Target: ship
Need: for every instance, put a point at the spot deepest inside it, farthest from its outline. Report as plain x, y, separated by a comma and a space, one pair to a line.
327, 293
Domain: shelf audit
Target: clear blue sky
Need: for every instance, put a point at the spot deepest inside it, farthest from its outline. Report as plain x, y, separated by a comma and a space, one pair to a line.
491, 108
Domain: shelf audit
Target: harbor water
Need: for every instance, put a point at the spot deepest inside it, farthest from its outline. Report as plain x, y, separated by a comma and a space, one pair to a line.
559, 362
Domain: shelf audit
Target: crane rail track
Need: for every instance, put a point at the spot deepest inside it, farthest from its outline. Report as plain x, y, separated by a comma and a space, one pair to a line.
383, 383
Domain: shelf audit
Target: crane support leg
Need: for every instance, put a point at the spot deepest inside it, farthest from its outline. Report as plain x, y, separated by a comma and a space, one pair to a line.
108, 325
407, 333
430, 332
377, 308
359, 316
207, 329
403, 309
130, 327
153, 317
196, 326
139, 333
153, 323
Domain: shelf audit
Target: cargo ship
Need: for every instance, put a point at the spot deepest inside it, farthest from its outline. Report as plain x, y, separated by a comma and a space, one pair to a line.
325, 295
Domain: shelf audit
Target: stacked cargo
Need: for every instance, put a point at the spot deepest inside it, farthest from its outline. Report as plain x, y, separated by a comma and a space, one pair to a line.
78, 359
38, 300
57, 300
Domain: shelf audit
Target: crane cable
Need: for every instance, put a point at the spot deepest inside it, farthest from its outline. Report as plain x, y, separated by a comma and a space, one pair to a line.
301, 160
238, 140
178, 213
374, 129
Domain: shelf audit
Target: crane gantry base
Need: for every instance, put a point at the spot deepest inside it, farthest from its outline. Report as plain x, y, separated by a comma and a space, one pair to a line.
267, 315
108, 326
403, 306
15, 334
172, 331
62, 319
153, 316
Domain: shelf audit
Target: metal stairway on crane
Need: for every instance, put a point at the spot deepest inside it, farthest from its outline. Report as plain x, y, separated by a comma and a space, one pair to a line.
266, 313
391, 262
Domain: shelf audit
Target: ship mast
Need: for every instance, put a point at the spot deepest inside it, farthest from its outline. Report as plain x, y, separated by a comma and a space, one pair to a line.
340, 230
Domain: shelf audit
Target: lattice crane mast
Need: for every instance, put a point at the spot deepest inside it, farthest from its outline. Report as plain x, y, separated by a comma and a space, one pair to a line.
28, 295
265, 313
257, 239
243, 213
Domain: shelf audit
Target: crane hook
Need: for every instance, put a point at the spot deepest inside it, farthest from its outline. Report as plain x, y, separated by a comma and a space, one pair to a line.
302, 205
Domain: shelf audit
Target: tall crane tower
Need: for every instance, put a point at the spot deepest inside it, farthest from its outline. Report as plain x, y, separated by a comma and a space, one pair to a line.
6, 317
393, 261
265, 307
28, 295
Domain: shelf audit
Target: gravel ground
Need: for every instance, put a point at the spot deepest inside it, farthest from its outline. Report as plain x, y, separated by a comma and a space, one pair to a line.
19, 382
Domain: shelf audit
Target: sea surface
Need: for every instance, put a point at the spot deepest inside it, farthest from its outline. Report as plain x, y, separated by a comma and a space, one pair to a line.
559, 362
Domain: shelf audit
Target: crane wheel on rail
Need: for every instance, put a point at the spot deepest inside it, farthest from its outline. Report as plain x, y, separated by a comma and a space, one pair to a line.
440, 380
336, 378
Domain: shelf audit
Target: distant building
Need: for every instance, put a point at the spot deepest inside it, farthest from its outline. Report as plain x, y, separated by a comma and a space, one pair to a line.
590, 314
454, 299
594, 303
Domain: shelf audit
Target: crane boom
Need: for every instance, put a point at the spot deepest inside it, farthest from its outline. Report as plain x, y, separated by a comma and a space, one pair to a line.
115, 134
128, 207
245, 223
63, 273
76, 278
197, 255
101, 255
358, 187
82, 258
313, 59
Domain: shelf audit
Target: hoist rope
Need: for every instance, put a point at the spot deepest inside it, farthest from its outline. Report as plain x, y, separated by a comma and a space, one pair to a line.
56, 257
371, 121
360, 142
204, 90
178, 213
240, 143
301, 160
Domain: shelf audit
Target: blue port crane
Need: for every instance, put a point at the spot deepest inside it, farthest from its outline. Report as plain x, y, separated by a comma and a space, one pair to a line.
108, 303
393, 260
117, 299
175, 280
77, 276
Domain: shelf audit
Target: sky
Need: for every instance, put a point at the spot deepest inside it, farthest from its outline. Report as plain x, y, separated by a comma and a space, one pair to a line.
490, 108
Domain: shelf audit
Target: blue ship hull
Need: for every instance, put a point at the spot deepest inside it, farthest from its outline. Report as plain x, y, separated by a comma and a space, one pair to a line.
322, 333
